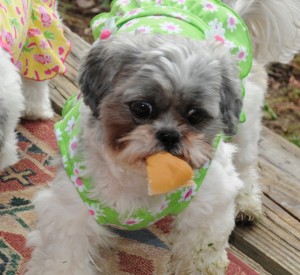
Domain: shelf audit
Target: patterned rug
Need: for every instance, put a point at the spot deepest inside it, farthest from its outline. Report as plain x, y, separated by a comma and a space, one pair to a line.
138, 253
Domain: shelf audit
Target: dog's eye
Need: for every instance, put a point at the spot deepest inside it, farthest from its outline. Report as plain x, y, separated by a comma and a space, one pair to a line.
141, 109
195, 116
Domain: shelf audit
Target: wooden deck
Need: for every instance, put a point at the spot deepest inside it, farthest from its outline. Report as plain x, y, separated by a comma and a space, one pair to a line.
273, 244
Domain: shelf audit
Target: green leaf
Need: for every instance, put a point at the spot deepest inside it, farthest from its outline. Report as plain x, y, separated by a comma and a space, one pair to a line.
49, 35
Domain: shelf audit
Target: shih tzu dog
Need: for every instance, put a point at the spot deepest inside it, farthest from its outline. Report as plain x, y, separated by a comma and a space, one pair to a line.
163, 77
32, 50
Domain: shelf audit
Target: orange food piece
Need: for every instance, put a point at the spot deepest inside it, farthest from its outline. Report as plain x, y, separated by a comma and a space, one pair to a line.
166, 173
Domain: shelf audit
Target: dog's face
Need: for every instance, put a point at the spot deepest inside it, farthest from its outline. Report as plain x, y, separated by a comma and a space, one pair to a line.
151, 94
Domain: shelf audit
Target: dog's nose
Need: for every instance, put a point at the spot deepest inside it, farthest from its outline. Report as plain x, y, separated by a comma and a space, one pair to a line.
169, 138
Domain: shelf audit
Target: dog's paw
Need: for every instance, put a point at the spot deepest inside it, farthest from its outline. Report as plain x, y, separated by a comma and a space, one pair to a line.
249, 208
8, 155
34, 113
202, 267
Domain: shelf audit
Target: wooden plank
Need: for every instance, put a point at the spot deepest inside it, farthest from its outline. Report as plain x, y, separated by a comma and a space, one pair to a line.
280, 170
273, 242
254, 265
62, 87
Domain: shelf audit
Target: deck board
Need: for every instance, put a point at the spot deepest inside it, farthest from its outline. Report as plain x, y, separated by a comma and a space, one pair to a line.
273, 242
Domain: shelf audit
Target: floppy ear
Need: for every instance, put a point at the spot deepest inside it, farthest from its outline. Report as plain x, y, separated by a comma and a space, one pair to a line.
230, 91
99, 68
231, 102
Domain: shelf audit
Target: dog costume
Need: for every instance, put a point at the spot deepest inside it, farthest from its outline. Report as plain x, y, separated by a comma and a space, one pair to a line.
32, 33
196, 19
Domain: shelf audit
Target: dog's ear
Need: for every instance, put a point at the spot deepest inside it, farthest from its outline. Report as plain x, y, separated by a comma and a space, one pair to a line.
231, 102
230, 91
100, 67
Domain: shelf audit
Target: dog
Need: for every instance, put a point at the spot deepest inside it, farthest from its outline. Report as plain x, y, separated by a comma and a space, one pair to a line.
32, 50
143, 93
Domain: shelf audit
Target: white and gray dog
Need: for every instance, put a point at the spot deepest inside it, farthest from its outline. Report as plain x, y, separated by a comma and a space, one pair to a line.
151, 93
32, 51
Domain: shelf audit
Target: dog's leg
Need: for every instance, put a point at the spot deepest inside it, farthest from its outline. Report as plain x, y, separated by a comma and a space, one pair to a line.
11, 106
66, 236
37, 101
200, 234
249, 205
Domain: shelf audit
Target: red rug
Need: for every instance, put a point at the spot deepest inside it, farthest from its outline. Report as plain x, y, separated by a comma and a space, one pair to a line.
138, 253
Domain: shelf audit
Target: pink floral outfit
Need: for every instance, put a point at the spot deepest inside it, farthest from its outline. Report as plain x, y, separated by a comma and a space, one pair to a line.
31, 31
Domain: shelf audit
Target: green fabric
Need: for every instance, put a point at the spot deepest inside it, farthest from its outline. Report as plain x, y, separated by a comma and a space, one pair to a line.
68, 134
196, 19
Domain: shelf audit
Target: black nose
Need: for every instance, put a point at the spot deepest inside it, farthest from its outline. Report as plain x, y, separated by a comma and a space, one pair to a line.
169, 138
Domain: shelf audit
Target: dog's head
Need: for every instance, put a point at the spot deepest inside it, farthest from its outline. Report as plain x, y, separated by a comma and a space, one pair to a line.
160, 93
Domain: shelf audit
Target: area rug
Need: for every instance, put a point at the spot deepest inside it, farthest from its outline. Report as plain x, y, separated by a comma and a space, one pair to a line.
141, 252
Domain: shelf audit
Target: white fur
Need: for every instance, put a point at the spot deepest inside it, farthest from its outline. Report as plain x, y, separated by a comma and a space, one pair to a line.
11, 104
37, 101
65, 237
274, 27
19, 97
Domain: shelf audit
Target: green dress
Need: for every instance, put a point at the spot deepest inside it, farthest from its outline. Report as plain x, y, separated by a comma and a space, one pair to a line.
195, 19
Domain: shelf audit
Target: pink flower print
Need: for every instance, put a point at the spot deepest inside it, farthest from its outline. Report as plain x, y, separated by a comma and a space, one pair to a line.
228, 44
8, 37
231, 22
132, 221
25, 8
43, 58
93, 209
208, 6
144, 29
170, 27
133, 12
220, 38
70, 125
98, 22
188, 193
3, 7
129, 24
105, 34
44, 44
162, 207
179, 15
58, 134
33, 32
78, 183
124, 2
77, 170
242, 54
18, 64
179, 1
45, 17
158, 2
73, 146
216, 30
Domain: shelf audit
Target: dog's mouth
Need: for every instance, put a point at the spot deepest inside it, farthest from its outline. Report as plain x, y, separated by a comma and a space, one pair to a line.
144, 160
